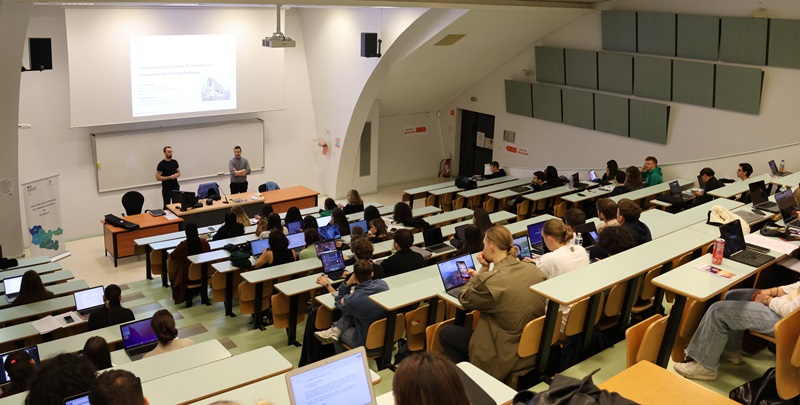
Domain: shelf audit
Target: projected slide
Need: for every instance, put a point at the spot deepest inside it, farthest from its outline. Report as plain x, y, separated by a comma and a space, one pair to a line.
174, 74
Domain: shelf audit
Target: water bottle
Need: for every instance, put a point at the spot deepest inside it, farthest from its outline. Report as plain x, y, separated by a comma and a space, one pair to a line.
578, 239
781, 170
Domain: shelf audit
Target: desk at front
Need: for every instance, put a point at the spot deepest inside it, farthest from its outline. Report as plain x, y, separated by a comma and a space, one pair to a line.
120, 241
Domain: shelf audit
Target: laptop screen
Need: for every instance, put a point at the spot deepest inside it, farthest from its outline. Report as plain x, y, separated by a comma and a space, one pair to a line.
454, 271
432, 236
460, 232
674, 188
773, 167
91, 298
295, 227
296, 240
592, 175
362, 224
33, 351
137, 333
700, 182
734, 238
575, 178
11, 285
535, 233
343, 379
327, 246
257, 246
588, 232
523, 248
786, 204
81, 399
329, 232
332, 261
758, 192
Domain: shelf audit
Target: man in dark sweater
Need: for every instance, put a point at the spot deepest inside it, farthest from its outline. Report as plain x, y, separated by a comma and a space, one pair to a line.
405, 259
628, 214
494, 167
711, 183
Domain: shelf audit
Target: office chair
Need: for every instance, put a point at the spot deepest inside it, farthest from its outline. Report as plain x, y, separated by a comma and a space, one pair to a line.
133, 202
268, 186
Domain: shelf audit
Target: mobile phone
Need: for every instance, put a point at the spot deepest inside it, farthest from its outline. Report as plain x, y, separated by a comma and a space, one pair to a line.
69, 319
462, 269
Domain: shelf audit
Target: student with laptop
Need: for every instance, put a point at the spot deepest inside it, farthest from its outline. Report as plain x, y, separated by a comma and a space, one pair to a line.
20, 368
278, 252
354, 203
710, 183
112, 313
473, 241
402, 215
31, 290
339, 219
311, 237
628, 213
358, 311
613, 240
651, 173
720, 333
633, 181
192, 245
495, 170
428, 378
744, 171
506, 304
163, 325
610, 176
230, 229
64, 376
117, 387
607, 212
404, 259
574, 217
97, 351
378, 232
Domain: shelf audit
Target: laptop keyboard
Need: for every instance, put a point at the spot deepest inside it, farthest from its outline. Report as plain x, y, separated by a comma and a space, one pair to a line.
751, 258
456, 292
748, 216
440, 248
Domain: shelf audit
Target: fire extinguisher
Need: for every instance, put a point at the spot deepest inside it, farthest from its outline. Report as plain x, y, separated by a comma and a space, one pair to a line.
444, 167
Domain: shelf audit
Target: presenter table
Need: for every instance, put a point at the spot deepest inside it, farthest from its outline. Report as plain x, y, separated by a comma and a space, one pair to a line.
214, 214
120, 241
297, 196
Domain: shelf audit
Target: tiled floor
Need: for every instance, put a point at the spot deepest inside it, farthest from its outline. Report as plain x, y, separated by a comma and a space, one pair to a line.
208, 322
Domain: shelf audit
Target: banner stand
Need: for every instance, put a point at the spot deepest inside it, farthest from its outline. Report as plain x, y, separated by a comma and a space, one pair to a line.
43, 214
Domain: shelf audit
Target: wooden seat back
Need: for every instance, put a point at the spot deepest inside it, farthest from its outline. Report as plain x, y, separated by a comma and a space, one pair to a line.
247, 297
643, 340
690, 320
523, 209
280, 309
156, 264
432, 335
489, 204
532, 336
219, 283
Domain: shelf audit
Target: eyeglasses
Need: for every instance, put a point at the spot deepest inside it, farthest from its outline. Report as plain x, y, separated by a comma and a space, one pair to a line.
739, 170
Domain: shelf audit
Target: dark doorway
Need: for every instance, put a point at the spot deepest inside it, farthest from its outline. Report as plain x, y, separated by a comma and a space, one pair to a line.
471, 156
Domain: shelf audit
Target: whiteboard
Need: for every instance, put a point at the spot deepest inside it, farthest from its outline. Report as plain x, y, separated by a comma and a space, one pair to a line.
128, 159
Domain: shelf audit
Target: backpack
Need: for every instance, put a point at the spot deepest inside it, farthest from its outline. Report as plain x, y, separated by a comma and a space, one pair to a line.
466, 183
240, 259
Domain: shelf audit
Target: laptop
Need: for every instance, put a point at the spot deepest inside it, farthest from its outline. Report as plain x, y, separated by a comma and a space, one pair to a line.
343, 379
296, 240
324, 247
588, 232
461, 232
758, 193
434, 241
362, 223
700, 183
454, 273
332, 264
576, 183
11, 287
775, 172
80, 399
295, 227
88, 301
787, 206
257, 246
33, 351
737, 250
522, 189
323, 221
593, 177
535, 237
329, 232
675, 190
138, 337
523, 247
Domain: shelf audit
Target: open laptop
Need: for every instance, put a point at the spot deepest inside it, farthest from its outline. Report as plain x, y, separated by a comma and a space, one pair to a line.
323, 221
737, 250
700, 183
80, 399
576, 182
324, 247
257, 246
343, 379
88, 301
523, 247
535, 237
454, 273
593, 177
787, 205
138, 337
675, 191
295, 227
33, 351
11, 287
522, 189
588, 232
296, 240
434, 241
329, 232
461, 232
758, 193
362, 223
332, 264
775, 172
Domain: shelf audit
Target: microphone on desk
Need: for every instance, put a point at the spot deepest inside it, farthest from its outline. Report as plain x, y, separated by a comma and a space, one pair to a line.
223, 193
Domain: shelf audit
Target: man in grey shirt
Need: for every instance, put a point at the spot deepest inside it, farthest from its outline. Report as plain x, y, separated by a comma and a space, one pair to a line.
239, 168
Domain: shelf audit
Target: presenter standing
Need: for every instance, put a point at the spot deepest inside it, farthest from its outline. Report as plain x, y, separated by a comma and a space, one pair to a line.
167, 172
239, 168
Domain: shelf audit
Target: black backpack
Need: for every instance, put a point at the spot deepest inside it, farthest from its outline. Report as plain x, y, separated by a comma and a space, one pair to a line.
466, 183
240, 259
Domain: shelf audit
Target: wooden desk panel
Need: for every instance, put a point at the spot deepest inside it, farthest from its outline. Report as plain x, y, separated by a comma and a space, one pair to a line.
119, 242
216, 205
298, 196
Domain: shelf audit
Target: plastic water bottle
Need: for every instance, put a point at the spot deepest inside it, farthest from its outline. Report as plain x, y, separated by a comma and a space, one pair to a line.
578, 239
781, 166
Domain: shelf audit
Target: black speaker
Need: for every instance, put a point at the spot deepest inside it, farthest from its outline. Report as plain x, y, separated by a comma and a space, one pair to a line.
369, 44
41, 54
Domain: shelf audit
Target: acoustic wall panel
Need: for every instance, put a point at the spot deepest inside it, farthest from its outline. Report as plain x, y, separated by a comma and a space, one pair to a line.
581, 68
698, 37
743, 40
518, 98
656, 33
619, 31
693, 83
652, 77
784, 43
550, 65
611, 114
615, 72
546, 102
649, 121
738, 89
578, 108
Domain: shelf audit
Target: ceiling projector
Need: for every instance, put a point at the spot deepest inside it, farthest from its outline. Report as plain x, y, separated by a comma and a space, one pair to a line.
278, 40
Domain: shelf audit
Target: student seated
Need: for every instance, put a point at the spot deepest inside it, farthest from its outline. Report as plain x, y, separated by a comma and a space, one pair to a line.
358, 311
722, 327
744, 172
371, 213
472, 243
402, 215
610, 176
261, 218
633, 181
193, 245
96, 350
617, 240
651, 173
230, 229
113, 313
241, 216
339, 218
404, 259
63, 376
628, 214
711, 183
378, 232
117, 387
31, 290
481, 220
278, 252
20, 368
328, 207
607, 212
494, 167
273, 224
311, 237
163, 325
506, 304
574, 217
292, 215
552, 180
354, 203
428, 379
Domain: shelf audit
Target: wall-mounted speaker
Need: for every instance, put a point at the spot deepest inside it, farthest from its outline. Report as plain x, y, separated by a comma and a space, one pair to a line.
41, 54
369, 45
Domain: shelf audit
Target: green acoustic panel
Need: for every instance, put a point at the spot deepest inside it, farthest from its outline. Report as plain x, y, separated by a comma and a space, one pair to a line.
649, 121
550, 65
743, 40
546, 102
518, 98
619, 31
578, 108
656, 33
693, 83
611, 114
738, 89
581, 68
652, 77
784, 43
615, 72
698, 37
